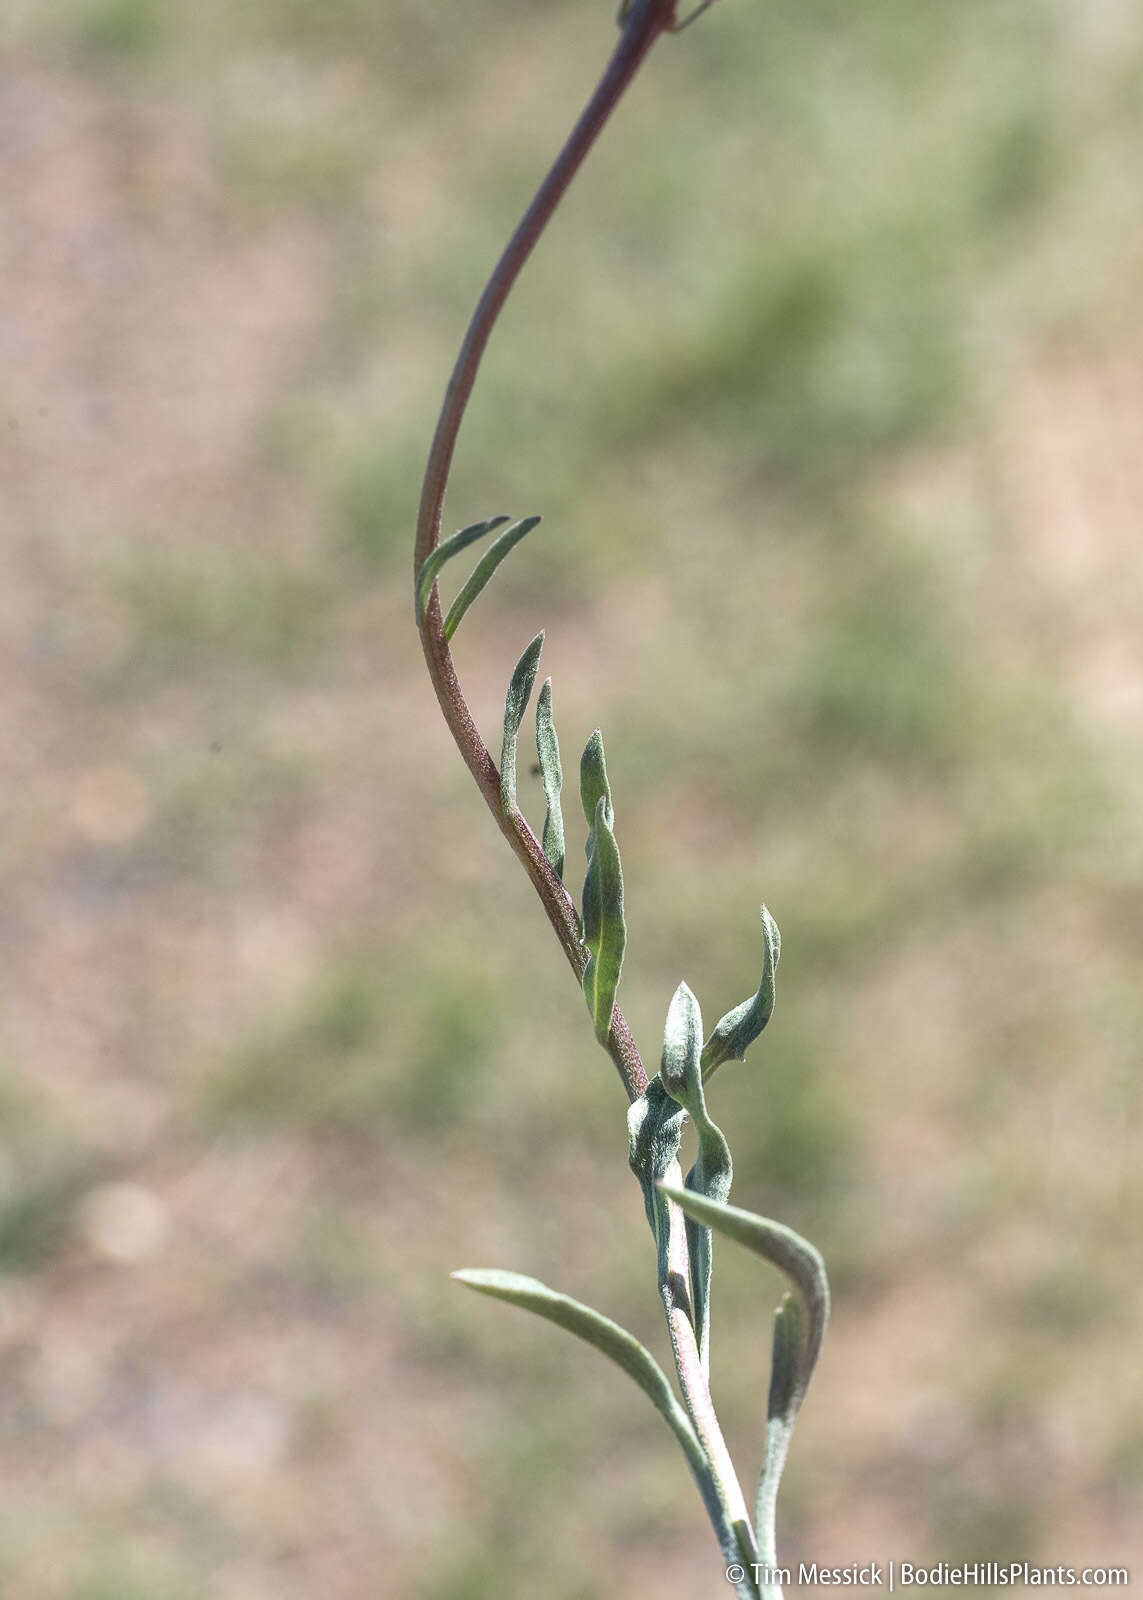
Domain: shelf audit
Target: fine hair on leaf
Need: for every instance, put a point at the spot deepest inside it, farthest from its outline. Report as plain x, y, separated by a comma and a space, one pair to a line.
515, 705
483, 570
452, 546
552, 778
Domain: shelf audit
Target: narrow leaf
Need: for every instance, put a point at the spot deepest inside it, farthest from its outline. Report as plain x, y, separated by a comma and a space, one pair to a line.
713, 1171
682, 1038
784, 1249
654, 1133
515, 704
799, 1328
781, 1411
626, 1351
552, 777
604, 930
483, 570
711, 1177
593, 784
740, 1027
596, 1329
784, 1372
445, 551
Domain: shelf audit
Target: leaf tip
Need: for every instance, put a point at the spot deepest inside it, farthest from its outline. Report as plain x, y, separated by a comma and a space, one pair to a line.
770, 928
593, 778
531, 657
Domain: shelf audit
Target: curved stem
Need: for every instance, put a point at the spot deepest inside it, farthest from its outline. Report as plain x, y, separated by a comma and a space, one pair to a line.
736, 1534
645, 22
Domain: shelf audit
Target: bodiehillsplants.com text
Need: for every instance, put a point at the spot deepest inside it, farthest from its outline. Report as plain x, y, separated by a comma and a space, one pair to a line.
969, 1574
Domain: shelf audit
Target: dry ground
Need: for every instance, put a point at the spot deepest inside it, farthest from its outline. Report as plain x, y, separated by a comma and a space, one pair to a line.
831, 389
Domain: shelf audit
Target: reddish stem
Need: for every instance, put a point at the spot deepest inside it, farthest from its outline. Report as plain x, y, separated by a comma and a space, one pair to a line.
645, 22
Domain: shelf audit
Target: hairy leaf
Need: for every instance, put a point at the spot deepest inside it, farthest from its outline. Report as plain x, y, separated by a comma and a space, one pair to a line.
445, 551
740, 1027
654, 1133
483, 570
682, 1040
626, 1351
607, 1336
781, 1411
593, 784
604, 930
783, 1398
552, 777
515, 704
713, 1171
799, 1328
784, 1249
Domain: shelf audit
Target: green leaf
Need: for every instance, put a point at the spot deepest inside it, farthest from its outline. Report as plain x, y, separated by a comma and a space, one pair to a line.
784, 1249
483, 570
682, 1040
604, 930
445, 551
713, 1171
784, 1372
740, 1027
515, 705
654, 1133
607, 1336
799, 1328
781, 1411
552, 777
626, 1351
593, 784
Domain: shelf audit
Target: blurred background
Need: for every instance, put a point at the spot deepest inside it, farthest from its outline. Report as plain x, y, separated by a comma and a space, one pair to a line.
829, 383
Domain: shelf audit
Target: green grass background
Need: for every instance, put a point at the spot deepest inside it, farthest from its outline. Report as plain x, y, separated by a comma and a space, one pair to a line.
828, 381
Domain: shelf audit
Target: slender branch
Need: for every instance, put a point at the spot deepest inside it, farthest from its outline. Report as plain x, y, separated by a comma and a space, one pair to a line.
736, 1534
646, 21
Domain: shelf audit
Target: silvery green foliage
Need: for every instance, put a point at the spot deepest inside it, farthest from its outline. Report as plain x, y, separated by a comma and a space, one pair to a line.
604, 928
713, 1171
595, 1329
799, 1328
593, 784
480, 574
552, 777
654, 1133
515, 705
682, 1216
739, 1028
655, 1126
634, 1359
452, 546
483, 570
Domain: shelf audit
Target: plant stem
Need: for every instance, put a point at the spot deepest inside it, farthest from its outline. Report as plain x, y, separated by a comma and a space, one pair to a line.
736, 1535
646, 21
